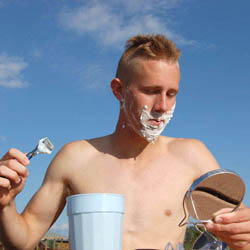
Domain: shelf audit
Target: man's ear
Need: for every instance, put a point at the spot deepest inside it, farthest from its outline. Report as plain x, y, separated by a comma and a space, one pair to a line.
118, 89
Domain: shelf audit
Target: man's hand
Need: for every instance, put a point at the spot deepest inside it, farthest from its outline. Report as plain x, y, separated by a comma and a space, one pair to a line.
13, 174
232, 227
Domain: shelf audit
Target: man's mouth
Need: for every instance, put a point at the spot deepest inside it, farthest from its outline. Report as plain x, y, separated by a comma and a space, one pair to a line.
155, 122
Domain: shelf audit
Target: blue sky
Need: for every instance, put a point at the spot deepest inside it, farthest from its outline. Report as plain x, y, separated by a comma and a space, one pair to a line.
58, 57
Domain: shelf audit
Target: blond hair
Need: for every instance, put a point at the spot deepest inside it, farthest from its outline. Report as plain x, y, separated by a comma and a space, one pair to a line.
146, 47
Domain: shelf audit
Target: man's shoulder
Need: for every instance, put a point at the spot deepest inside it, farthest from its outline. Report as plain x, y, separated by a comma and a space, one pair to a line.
186, 144
192, 152
71, 154
74, 148
72, 157
83, 148
186, 148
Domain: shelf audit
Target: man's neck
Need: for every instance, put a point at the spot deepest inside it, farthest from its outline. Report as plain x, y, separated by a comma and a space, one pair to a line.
128, 144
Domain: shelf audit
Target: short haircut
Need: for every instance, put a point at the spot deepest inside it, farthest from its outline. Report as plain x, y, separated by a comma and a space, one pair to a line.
146, 47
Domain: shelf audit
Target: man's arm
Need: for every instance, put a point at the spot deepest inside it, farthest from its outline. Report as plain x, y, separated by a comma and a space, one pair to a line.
23, 231
195, 153
231, 227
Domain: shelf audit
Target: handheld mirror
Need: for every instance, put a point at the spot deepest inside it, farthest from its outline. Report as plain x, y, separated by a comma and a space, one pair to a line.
211, 192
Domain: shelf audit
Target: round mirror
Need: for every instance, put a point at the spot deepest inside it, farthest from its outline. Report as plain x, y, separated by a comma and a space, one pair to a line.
213, 191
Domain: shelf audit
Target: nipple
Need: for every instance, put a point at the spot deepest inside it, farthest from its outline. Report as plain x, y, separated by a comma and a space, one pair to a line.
168, 212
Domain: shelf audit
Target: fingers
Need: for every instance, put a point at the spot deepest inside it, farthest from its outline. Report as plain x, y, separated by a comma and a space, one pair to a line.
240, 215
238, 241
233, 228
233, 222
12, 168
236, 236
18, 155
229, 229
5, 183
223, 211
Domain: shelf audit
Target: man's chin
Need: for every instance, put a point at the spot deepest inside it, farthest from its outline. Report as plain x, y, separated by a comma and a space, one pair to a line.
149, 137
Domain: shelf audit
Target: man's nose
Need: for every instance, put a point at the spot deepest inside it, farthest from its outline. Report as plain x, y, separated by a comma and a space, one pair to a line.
161, 104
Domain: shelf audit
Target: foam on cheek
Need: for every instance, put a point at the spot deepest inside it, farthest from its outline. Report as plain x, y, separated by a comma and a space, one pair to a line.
133, 121
138, 120
151, 132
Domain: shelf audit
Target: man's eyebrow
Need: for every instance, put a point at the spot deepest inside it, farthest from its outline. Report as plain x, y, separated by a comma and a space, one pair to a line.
152, 85
173, 89
158, 87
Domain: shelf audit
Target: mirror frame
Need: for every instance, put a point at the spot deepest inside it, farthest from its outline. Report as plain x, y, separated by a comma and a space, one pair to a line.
195, 184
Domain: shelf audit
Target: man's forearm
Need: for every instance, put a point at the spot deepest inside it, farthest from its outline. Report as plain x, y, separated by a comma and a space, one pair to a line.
13, 229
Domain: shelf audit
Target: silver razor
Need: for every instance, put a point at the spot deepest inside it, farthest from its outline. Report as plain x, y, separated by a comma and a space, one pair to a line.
44, 146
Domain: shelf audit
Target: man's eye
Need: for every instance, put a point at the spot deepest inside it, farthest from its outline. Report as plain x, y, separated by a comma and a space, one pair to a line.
151, 91
172, 93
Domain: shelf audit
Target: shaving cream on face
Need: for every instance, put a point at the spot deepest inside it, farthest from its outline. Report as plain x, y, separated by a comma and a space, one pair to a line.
151, 132
140, 120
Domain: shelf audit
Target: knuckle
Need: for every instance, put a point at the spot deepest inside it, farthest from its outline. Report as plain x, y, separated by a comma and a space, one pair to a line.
226, 220
22, 170
234, 229
12, 151
11, 163
244, 215
4, 182
218, 228
14, 176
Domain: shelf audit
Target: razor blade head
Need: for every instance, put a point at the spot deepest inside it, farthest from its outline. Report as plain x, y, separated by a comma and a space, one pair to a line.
45, 146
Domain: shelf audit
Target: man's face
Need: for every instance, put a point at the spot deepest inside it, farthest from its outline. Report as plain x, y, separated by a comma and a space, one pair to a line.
150, 96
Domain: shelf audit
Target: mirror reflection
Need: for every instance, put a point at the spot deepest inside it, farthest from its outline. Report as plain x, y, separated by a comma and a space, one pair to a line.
210, 193
213, 191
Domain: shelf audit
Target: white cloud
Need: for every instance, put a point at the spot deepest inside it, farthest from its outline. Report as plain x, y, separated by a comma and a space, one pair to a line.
85, 18
150, 5
112, 24
10, 71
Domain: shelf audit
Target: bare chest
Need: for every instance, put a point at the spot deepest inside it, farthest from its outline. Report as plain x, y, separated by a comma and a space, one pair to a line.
153, 198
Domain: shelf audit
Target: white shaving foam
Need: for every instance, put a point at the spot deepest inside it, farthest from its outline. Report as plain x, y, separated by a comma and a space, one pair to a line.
151, 132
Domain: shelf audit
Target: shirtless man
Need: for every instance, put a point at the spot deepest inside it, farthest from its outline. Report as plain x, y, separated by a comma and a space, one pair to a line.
134, 161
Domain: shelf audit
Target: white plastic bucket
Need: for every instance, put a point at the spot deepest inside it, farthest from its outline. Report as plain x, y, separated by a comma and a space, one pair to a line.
95, 221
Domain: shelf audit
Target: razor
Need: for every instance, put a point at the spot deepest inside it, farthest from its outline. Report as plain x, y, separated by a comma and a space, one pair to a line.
44, 146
